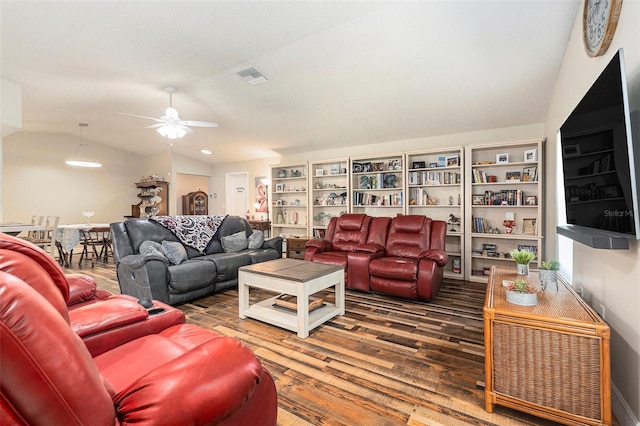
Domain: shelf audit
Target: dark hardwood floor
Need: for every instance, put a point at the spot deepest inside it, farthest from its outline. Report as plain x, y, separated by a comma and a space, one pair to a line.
385, 362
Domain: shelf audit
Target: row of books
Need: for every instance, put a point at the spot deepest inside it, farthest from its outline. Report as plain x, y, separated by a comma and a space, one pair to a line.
479, 225
433, 178
366, 199
601, 165
509, 197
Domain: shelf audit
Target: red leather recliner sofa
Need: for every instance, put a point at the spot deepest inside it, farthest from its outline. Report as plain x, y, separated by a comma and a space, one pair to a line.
403, 256
181, 375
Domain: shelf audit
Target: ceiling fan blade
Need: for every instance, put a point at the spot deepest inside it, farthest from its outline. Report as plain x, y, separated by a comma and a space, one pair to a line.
154, 126
198, 123
141, 116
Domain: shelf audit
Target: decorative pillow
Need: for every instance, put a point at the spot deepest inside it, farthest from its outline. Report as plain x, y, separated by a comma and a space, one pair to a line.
235, 242
256, 239
151, 248
174, 251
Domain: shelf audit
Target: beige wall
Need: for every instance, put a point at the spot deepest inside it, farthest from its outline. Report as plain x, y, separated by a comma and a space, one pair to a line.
610, 278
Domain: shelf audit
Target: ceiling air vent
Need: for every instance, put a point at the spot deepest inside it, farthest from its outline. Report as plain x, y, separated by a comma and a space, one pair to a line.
252, 76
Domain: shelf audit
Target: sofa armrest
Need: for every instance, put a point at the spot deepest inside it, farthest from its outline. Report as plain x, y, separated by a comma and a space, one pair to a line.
439, 256
369, 248
211, 382
106, 315
320, 245
144, 276
273, 243
82, 288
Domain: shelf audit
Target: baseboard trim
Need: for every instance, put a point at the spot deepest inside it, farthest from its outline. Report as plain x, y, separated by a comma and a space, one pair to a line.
621, 409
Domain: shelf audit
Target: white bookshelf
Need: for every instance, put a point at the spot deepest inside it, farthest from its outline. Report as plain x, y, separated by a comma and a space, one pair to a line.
289, 200
329, 189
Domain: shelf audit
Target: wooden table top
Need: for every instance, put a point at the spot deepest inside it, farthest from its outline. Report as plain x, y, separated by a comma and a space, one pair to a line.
291, 269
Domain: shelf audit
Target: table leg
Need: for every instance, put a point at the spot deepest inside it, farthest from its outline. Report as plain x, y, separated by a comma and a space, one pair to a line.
302, 300
340, 303
243, 294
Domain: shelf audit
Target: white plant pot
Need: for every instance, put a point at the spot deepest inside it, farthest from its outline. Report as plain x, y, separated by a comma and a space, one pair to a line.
523, 299
548, 275
522, 269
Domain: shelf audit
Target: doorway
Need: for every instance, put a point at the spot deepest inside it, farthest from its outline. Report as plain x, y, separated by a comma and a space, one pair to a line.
237, 193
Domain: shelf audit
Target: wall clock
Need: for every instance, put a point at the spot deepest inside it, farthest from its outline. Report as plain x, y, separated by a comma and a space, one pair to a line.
599, 22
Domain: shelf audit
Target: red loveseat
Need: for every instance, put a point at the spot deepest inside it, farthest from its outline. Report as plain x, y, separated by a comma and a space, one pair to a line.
101, 319
403, 256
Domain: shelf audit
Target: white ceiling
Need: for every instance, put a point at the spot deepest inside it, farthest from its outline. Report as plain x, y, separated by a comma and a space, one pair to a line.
340, 72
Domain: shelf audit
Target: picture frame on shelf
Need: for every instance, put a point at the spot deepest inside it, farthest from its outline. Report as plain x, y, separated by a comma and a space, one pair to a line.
335, 169
478, 200
512, 176
529, 174
531, 155
395, 165
356, 167
433, 165
452, 161
366, 167
530, 200
502, 158
279, 187
569, 151
377, 167
419, 165
529, 226
319, 172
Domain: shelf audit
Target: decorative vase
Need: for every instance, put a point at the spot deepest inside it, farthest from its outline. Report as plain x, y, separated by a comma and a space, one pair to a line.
522, 269
509, 230
522, 299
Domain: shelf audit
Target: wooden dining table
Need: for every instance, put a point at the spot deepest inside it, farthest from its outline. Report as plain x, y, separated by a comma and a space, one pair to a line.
69, 236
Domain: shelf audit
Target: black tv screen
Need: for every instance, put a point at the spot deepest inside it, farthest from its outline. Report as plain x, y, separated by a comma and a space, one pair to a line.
598, 159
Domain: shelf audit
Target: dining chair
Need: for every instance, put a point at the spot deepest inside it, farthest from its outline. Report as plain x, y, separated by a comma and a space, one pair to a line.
95, 245
47, 238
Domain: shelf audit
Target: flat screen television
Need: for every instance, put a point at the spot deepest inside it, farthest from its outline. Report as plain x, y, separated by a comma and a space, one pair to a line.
599, 166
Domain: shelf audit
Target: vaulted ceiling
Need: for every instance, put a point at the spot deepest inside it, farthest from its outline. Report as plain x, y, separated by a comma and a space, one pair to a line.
339, 72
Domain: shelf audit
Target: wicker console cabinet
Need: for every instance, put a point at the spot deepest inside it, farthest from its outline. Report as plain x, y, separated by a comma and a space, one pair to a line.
549, 360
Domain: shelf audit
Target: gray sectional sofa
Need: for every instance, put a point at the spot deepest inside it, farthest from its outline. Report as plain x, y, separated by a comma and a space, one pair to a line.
176, 281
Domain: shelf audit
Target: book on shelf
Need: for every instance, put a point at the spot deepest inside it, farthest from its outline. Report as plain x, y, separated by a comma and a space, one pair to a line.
290, 302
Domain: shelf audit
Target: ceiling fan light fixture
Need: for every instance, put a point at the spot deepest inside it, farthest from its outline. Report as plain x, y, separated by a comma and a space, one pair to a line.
171, 131
172, 113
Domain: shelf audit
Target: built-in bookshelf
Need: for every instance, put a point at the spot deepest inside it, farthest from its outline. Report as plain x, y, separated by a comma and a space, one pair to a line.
377, 185
435, 188
503, 204
328, 193
289, 201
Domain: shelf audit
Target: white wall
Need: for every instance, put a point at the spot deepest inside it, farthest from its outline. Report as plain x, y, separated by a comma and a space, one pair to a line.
609, 277
186, 183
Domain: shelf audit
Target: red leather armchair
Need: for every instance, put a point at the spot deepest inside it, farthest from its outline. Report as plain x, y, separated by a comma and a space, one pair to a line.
103, 320
412, 265
182, 375
342, 236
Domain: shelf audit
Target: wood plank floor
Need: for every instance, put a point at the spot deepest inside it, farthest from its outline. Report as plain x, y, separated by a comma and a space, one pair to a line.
385, 362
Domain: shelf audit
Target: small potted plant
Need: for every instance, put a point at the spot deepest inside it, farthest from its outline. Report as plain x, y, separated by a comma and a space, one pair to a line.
509, 225
548, 272
521, 293
523, 258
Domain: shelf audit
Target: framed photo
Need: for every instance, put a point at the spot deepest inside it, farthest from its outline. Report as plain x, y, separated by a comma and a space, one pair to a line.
356, 167
419, 165
335, 169
279, 187
377, 167
512, 176
529, 226
319, 172
366, 167
571, 150
395, 165
530, 200
433, 165
452, 161
478, 200
502, 158
531, 155
529, 174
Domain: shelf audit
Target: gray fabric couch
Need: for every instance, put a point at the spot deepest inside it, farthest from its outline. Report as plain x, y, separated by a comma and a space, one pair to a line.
198, 276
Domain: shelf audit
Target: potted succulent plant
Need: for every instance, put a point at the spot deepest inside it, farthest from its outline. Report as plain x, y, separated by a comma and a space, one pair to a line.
523, 258
521, 293
548, 272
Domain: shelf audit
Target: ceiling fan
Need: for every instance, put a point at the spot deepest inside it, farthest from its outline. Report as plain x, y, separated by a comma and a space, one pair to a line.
170, 125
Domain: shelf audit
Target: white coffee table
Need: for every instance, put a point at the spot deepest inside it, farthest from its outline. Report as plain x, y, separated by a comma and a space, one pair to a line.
295, 277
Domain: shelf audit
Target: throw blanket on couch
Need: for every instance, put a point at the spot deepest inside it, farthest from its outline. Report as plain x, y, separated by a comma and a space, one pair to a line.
193, 231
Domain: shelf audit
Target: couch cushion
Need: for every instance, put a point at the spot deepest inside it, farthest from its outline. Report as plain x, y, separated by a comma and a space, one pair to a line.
397, 268
151, 248
262, 255
227, 264
235, 243
230, 225
256, 239
191, 275
174, 251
